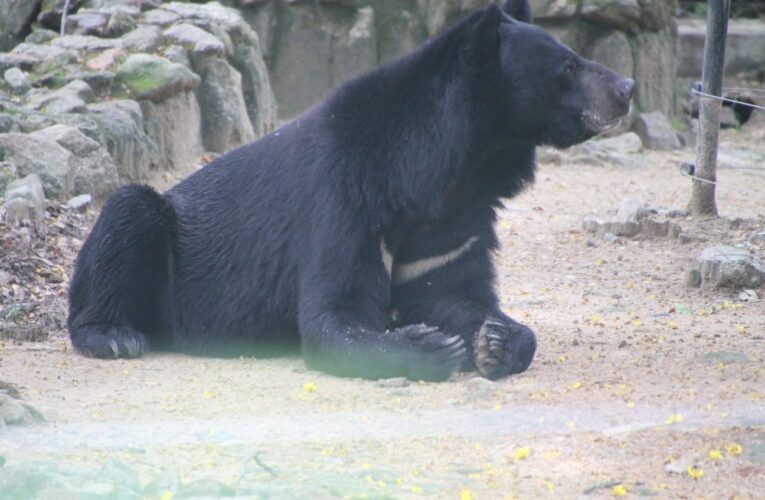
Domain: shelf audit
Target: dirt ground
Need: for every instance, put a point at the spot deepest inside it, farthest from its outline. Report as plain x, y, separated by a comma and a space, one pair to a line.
641, 386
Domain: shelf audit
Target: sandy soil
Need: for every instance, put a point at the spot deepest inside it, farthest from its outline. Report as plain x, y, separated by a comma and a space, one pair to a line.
640, 384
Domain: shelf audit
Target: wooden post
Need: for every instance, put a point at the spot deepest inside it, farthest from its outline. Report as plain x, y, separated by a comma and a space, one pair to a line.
703, 194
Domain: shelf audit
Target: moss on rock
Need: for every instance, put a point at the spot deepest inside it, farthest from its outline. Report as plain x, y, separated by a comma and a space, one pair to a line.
144, 76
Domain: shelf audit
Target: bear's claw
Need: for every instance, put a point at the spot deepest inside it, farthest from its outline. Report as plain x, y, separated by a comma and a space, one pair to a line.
503, 349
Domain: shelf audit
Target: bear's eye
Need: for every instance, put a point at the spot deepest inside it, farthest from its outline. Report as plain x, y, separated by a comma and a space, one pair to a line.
569, 69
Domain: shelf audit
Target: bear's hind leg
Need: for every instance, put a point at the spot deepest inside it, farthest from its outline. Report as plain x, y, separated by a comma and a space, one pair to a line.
119, 292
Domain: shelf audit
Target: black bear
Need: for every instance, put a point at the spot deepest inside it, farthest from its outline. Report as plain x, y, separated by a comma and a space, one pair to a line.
363, 229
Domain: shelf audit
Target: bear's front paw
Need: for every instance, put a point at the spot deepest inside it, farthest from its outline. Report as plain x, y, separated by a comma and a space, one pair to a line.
503, 349
432, 355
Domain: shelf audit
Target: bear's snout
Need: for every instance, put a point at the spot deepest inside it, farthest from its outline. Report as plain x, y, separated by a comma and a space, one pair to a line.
625, 89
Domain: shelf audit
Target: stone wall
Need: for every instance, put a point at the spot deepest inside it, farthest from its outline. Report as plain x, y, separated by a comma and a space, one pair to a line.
135, 91
153, 85
310, 46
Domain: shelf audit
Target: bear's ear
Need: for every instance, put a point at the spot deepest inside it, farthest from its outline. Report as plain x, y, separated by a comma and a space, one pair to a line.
483, 32
518, 9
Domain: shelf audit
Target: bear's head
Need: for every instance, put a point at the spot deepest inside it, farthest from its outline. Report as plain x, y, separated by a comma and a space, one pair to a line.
551, 95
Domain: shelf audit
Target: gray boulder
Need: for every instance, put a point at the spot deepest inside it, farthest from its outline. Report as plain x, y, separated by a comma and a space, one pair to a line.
15, 18
196, 40
613, 50
120, 23
247, 58
39, 35
72, 98
656, 132
25, 200
122, 124
174, 124
160, 17
724, 266
86, 43
17, 61
100, 81
94, 169
154, 78
87, 22
16, 412
225, 123
246, 55
51, 162
623, 14
39, 53
143, 39
177, 54
16, 80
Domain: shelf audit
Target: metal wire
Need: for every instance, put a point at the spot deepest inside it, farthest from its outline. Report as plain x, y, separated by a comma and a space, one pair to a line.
725, 99
688, 169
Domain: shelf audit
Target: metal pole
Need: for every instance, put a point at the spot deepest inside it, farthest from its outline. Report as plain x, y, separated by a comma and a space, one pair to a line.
703, 194
64, 15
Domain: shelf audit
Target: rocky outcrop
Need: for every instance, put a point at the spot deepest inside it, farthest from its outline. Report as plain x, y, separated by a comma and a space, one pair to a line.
94, 170
310, 47
134, 89
15, 18
43, 157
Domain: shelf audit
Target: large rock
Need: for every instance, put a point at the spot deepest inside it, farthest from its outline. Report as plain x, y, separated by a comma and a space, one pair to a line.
357, 51
143, 39
154, 78
16, 412
41, 52
554, 9
133, 151
306, 63
305, 42
25, 200
15, 18
86, 43
160, 17
196, 40
724, 266
225, 123
245, 55
656, 132
16, 81
654, 72
623, 14
87, 22
174, 124
72, 98
403, 31
43, 157
613, 50
94, 170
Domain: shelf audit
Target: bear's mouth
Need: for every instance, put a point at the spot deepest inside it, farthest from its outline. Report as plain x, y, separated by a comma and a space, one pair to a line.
599, 124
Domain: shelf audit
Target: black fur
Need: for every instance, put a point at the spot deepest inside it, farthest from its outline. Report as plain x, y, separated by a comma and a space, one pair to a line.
285, 239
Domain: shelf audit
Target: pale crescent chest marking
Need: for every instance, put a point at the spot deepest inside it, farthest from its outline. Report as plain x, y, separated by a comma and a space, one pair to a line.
405, 272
